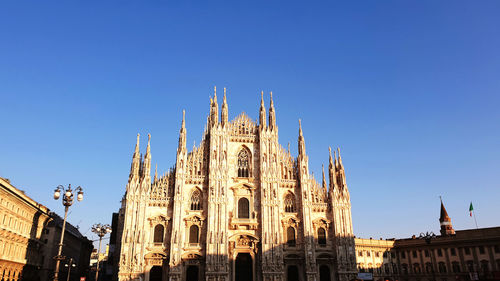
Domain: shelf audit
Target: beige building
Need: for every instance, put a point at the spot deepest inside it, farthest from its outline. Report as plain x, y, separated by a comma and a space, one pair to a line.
21, 223
472, 254
236, 207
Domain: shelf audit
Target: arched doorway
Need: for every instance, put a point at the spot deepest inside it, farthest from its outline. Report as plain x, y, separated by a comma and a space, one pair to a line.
192, 273
324, 273
243, 267
156, 273
292, 273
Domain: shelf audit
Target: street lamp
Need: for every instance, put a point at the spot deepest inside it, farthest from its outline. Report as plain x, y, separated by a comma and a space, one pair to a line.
100, 230
69, 265
428, 236
66, 201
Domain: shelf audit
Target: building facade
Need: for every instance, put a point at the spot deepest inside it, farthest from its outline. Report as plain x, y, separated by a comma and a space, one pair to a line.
21, 224
29, 240
238, 206
472, 254
77, 248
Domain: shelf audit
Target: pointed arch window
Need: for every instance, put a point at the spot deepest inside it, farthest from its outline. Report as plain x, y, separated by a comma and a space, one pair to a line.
194, 233
290, 236
195, 201
243, 163
321, 236
243, 208
158, 233
290, 203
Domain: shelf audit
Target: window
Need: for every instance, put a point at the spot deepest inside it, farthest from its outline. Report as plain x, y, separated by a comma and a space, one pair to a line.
243, 208
394, 268
416, 268
426, 253
243, 163
290, 236
455, 266
194, 232
195, 200
289, 203
470, 266
497, 249
393, 255
386, 268
453, 252
321, 236
403, 255
158, 234
442, 267
385, 255
414, 253
481, 249
428, 267
360, 253
368, 253
485, 267
467, 250
377, 254
404, 268
440, 253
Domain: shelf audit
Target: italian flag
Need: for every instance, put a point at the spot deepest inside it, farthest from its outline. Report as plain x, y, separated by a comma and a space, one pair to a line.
471, 209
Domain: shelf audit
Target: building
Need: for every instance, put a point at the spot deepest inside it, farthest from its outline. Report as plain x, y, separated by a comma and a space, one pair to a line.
472, 254
22, 220
76, 247
29, 240
238, 206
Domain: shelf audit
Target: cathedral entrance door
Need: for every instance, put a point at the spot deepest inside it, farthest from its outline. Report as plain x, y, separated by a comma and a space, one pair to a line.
243, 267
324, 273
192, 273
292, 273
155, 274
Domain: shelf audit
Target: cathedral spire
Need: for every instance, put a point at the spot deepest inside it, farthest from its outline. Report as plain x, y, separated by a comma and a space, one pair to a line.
182, 134
302, 144
136, 161
324, 179
445, 221
272, 114
146, 165
214, 109
224, 113
331, 171
262, 113
340, 158
156, 173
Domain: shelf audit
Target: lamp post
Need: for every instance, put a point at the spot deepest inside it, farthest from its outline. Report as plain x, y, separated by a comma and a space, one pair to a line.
100, 230
69, 265
428, 236
67, 201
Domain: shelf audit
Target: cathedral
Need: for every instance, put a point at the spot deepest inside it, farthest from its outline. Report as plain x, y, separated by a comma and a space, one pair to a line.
236, 207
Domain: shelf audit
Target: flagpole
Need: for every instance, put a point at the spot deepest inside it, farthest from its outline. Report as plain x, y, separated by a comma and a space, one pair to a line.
475, 218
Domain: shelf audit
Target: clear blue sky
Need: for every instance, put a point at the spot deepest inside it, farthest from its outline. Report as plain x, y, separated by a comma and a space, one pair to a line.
409, 90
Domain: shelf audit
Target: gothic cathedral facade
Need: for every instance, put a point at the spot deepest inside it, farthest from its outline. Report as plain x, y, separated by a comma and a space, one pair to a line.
237, 207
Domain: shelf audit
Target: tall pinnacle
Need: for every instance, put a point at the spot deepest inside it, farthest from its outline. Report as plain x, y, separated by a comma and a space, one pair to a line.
302, 144
136, 152
272, 114
262, 112
156, 173
182, 134
214, 109
324, 179
224, 113
148, 149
